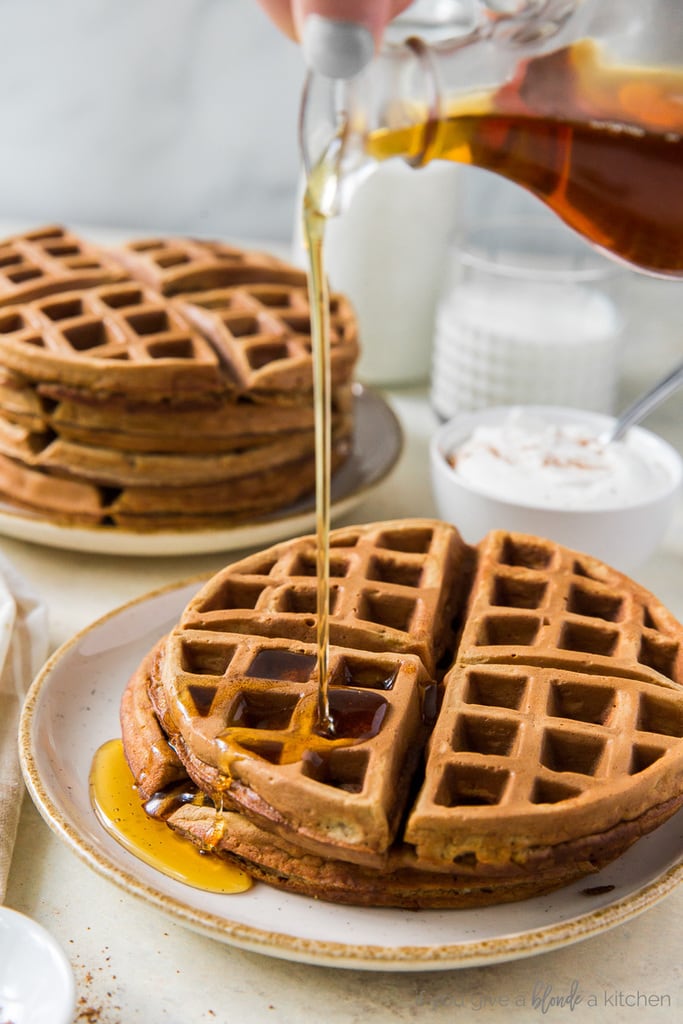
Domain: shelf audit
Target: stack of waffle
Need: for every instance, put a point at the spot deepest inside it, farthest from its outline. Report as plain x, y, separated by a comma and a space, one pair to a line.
507, 718
166, 384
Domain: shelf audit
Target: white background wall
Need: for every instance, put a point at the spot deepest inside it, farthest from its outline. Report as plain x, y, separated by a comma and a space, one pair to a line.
170, 114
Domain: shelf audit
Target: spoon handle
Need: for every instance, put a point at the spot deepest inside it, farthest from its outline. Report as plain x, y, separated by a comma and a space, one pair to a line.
647, 402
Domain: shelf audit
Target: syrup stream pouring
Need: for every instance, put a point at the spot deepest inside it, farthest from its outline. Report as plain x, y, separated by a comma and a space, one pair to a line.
645, 404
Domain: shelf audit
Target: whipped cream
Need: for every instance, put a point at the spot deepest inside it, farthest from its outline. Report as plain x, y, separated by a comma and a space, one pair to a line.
557, 464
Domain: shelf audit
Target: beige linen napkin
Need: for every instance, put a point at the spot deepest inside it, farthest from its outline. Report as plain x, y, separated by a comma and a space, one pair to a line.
23, 649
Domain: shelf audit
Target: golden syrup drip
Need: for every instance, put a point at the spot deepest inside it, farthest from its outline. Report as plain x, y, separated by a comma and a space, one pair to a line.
356, 715
314, 235
117, 805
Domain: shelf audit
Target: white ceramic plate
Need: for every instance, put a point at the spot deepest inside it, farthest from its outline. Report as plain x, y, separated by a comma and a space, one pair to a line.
377, 445
36, 980
72, 708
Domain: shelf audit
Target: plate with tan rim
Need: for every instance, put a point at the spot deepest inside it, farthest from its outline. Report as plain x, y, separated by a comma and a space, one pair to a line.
377, 446
72, 708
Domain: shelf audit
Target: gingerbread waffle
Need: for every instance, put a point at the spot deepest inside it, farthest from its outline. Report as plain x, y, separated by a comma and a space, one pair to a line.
510, 774
120, 405
252, 306
76, 500
117, 337
203, 423
113, 468
244, 709
169, 795
263, 334
154, 763
20, 402
400, 882
525, 759
50, 260
395, 587
535, 602
176, 266
125, 338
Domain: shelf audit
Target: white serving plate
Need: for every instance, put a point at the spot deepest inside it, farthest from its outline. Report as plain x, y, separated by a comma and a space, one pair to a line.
72, 708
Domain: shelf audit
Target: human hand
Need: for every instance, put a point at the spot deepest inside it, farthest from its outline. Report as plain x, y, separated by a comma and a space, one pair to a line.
338, 37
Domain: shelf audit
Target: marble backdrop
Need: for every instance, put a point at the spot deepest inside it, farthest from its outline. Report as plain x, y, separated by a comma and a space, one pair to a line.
176, 115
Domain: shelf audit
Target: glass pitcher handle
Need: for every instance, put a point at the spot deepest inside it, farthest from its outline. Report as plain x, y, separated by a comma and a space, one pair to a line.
524, 21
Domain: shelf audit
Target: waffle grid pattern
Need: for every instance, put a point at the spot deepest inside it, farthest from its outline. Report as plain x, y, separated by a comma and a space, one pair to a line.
515, 742
174, 266
540, 601
50, 260
244, 705
262, 332
386, 589
124, 325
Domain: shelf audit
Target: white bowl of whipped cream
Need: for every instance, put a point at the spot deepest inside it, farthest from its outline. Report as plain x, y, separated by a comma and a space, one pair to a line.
547, 470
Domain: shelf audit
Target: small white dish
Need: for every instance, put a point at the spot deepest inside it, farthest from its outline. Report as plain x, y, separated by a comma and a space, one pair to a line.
622, 535
36, 981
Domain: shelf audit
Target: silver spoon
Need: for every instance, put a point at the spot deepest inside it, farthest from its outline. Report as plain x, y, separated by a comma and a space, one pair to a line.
645, 404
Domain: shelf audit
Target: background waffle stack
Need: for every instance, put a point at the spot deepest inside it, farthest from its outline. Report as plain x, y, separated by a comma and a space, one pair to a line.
164, 384
508, 718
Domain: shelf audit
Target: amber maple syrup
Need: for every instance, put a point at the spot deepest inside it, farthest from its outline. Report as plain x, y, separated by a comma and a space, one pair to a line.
353, 715
601, 145
118, 806
314, 236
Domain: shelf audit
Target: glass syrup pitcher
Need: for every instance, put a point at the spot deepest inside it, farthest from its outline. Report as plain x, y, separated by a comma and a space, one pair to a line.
578, 101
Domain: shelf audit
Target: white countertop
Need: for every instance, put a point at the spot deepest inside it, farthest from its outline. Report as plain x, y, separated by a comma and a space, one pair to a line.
132, 963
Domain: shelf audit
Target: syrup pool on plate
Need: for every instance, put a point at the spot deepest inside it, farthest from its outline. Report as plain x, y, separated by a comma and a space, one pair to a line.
118, 807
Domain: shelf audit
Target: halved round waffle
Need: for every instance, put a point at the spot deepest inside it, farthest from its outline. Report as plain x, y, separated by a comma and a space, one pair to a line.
515, 773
